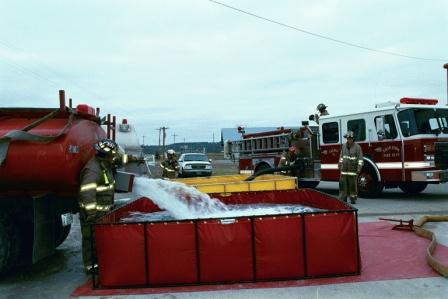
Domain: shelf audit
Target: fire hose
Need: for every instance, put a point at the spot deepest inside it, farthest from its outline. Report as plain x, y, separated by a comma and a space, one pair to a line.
416, 227
296, 166
436, 264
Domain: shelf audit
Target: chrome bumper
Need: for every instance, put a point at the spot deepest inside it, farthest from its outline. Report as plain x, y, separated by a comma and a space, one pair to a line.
439, 176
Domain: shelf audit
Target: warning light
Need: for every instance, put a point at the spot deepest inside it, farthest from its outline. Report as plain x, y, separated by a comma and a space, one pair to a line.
418, 101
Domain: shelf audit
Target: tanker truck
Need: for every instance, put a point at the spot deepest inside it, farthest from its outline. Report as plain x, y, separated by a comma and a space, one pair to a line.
42, 152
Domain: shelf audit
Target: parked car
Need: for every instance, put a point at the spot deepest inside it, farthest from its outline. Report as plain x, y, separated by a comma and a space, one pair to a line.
194, 164
150, 160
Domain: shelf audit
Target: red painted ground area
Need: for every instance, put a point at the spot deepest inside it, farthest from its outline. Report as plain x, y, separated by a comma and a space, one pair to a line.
386, 254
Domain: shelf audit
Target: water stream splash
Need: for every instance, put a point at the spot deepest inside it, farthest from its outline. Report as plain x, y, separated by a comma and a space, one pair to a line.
181, 201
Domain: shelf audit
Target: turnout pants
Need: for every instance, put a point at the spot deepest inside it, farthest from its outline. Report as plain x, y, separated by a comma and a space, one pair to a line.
88, 240
348, 187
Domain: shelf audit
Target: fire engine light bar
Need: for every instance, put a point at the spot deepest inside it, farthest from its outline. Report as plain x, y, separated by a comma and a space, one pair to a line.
419, 101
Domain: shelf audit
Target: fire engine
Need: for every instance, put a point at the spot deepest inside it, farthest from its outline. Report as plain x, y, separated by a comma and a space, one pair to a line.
405, 145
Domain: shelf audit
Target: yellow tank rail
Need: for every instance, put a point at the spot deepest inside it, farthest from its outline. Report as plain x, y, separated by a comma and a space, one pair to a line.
236, 183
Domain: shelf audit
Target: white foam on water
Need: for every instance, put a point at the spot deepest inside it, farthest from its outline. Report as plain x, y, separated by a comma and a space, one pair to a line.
186, 202
233, 212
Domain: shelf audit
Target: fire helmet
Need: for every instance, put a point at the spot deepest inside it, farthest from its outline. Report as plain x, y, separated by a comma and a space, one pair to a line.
321, 107
349, 134
170, 152
106, 147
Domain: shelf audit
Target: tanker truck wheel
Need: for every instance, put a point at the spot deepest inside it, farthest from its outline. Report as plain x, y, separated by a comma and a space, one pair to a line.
61, 232
9, 244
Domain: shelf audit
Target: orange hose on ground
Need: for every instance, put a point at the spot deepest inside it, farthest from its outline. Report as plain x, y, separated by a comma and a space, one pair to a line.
436, 264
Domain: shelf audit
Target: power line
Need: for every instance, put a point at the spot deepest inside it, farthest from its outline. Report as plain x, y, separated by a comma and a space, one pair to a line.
27, 70
326, 37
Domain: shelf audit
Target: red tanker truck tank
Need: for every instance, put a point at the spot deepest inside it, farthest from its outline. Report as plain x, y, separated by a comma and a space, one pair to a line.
42, 151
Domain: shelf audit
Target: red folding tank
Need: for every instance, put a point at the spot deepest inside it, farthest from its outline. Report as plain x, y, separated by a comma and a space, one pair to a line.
242, 249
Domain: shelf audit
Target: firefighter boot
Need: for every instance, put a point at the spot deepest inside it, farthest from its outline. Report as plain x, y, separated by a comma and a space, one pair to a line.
353, 200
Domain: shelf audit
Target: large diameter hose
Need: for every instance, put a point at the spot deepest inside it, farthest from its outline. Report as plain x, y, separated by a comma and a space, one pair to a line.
436, 264
296, 166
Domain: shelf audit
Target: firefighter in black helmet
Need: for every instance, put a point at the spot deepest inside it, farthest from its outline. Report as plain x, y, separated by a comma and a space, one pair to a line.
322, 109
96, 194
350, 165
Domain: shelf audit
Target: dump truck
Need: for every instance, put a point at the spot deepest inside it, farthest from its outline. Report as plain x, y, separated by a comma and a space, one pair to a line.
42, 151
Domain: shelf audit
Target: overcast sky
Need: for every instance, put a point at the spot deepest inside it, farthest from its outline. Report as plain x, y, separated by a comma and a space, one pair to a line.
195, 66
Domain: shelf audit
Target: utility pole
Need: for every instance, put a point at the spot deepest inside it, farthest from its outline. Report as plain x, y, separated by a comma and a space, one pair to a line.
163, 139
158, 148
445, 66
143, 143
174, 135
213, 137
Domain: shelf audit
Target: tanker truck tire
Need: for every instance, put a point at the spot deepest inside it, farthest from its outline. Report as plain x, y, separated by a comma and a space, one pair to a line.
61, 232
9, 244
413, 187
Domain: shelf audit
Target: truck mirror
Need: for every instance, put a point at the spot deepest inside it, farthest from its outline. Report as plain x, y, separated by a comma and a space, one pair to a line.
379, 123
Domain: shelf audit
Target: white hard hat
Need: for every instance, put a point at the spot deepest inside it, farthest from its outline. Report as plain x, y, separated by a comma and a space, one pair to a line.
170, 152
349, 134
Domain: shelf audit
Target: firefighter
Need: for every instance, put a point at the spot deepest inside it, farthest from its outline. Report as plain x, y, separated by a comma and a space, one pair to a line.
322, 109
170, 166
288, 159
350, 165
96, 196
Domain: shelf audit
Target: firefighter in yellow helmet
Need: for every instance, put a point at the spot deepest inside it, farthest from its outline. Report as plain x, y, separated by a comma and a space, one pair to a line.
96, 194
350, 165
170, 166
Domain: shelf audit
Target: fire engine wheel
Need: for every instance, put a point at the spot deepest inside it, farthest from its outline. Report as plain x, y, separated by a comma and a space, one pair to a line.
368, 185
9, 244
413, 187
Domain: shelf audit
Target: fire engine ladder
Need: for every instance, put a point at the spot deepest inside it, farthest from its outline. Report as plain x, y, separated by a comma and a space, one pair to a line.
264, 144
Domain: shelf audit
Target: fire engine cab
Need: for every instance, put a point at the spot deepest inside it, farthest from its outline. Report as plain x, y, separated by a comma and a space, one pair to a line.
405, 145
